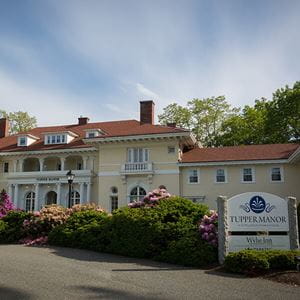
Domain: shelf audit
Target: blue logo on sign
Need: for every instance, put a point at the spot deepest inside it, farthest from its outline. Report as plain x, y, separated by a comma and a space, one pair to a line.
257, 204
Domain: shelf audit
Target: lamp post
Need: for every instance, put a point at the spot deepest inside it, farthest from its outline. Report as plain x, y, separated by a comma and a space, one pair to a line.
70, 177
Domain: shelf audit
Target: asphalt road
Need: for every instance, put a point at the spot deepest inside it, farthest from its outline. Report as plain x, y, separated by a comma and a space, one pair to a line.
62, 273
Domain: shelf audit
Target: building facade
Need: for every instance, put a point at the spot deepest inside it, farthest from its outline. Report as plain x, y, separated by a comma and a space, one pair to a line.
118, 162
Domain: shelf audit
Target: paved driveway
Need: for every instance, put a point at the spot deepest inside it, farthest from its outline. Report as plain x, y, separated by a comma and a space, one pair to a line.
62, 273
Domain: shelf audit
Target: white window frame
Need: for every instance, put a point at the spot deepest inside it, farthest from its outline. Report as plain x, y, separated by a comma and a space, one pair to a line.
225, 174
131, 155
252, 173
281, 174
54, 139
171, 149
189, 176
22, 138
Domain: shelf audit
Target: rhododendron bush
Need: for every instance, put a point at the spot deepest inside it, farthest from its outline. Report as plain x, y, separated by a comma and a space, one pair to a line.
208, 228
152, 198
37, 228
5, 204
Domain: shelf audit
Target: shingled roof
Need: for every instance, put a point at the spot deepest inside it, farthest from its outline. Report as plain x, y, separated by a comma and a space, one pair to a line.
110, 129
240, 153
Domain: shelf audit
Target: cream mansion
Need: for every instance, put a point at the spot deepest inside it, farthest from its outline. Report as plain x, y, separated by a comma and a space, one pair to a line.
117, 162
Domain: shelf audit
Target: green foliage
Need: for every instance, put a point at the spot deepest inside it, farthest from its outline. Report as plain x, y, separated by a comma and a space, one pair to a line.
174, 113
82, 229
283, 115
13, 228
245, 128
160, 232
256, 262
215, 123
19, 121
203, 116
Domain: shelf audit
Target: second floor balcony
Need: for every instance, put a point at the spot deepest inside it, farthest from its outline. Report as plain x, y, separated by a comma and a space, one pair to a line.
137, 168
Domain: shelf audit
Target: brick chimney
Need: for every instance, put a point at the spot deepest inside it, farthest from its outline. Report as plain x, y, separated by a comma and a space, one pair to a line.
83, 120
4, 127
147, 112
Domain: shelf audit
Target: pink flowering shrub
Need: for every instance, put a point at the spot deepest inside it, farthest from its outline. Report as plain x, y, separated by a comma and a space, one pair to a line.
208, 228
37, 228
5, 204
151, 199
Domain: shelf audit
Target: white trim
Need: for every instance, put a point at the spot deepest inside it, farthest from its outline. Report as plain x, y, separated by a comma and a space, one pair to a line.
166, 172
235, 162
71, 133
225, 174
109, 173
294, 155
65, 150
101, 139
281, 174
198, 176
252, 173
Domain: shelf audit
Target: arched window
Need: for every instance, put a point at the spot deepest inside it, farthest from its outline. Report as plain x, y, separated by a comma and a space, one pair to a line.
114, 199
137, 194
75, 198
29, 201
51, 198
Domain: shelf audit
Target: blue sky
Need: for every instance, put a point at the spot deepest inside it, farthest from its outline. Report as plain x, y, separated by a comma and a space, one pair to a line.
62, 59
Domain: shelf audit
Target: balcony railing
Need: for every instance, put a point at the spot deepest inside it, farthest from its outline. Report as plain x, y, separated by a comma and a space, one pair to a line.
142, 167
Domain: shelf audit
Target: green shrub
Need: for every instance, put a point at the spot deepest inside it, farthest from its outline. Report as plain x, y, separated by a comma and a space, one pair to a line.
255, 262
166, 232
282, 259
80, 230
13, 226
247, 262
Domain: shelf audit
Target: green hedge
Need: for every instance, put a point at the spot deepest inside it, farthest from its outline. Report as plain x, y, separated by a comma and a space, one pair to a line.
256, 262
167, 232
11, 230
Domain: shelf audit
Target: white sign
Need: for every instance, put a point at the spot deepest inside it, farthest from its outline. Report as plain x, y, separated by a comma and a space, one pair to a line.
258, 242
257, 212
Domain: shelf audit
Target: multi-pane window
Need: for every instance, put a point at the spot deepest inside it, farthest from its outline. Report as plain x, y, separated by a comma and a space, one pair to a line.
75, 198
220, 175
114, 202
137, 194
193, 176
5, 167
276, 174
56, 139
136, 155
29, 201
248, 175
171, 149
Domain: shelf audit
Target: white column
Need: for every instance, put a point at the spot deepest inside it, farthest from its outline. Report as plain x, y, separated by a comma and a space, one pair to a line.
58, 188
62, 162
10, 192
36, 200
21, 161
15, 164
81, 185
88, 193
16, 195
85, 159
41, 160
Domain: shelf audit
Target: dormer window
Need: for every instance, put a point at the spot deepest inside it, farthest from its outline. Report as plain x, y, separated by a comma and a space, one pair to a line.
26, 140
59, 137
92, 133
22, 141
